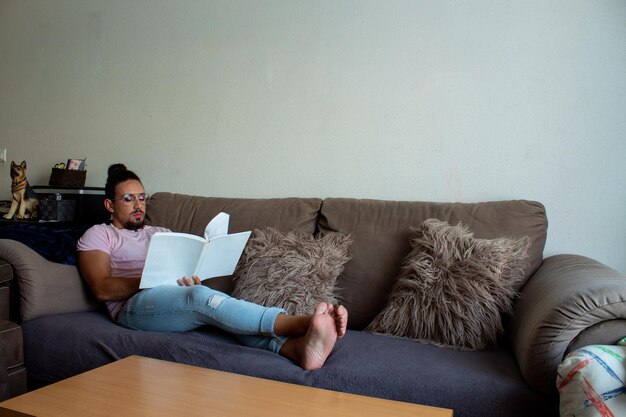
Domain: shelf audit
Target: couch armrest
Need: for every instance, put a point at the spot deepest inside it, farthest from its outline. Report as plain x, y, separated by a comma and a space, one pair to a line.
45, 287
565, 296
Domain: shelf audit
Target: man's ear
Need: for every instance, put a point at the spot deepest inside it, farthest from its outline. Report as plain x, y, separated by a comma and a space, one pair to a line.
108, 204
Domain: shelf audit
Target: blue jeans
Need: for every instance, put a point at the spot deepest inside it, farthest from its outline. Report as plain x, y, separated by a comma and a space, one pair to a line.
180, 309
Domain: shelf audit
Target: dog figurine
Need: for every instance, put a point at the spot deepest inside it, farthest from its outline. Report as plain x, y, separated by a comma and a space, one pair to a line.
25, 201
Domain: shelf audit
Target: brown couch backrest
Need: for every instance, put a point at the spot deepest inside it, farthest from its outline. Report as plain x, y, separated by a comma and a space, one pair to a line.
191, 214
381, 233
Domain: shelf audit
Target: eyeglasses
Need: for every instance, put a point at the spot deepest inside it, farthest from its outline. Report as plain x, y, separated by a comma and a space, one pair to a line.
129, 199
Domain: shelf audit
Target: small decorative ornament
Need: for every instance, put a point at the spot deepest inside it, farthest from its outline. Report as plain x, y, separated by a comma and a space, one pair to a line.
24, 202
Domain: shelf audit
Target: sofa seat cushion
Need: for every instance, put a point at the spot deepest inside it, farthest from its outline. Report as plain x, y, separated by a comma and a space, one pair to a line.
474, 384
381, 232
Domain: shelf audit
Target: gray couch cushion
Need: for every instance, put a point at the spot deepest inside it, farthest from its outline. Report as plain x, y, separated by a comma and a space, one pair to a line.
381, 234
362, 363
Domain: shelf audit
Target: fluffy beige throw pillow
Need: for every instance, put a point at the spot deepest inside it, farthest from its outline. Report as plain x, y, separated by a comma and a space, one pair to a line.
290, 270
453, 287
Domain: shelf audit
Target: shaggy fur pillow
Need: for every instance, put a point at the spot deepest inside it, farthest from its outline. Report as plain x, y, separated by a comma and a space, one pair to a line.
291, 271
453, 287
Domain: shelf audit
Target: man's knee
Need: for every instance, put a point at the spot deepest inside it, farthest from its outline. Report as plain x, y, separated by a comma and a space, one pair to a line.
216, 300
201, 295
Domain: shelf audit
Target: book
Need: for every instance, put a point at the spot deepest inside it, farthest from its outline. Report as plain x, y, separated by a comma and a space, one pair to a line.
174, 255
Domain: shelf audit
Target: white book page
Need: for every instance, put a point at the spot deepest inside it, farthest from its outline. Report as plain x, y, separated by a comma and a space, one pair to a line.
221, 254
171, 256
218, 226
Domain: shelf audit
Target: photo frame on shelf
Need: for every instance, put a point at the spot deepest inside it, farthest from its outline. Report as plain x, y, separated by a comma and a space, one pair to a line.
76, 164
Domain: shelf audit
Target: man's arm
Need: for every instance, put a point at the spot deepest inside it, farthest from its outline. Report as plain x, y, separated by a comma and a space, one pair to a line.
95, 267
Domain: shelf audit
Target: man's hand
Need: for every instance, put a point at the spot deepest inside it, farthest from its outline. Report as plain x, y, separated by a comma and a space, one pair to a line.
189, 282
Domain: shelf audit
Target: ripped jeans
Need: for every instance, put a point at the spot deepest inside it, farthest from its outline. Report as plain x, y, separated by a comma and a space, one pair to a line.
180, 309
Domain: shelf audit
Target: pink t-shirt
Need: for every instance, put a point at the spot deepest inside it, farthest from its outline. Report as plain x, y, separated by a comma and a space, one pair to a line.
126, 248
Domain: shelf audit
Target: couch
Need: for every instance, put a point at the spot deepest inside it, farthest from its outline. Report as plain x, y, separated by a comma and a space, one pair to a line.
12, 370
563, 302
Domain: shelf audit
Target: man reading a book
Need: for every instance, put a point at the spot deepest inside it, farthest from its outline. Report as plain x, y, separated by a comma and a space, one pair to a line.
111, 259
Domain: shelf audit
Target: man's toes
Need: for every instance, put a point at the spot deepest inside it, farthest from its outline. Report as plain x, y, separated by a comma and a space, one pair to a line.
321, 308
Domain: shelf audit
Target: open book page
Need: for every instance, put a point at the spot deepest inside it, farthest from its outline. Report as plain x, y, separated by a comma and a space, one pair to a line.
218, 226
171, 256
221, 254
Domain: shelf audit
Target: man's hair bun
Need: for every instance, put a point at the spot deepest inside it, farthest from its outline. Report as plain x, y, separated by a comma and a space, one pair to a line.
116, 169
117, 173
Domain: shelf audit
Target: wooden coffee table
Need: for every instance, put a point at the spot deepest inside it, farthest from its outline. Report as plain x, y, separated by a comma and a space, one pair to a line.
138, 386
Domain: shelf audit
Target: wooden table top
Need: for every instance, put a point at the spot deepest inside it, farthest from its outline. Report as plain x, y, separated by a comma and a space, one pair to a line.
138, 386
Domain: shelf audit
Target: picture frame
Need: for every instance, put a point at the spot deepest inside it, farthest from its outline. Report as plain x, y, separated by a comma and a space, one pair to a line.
76, 164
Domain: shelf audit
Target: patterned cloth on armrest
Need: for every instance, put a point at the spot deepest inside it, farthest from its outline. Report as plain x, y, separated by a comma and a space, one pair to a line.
591, 382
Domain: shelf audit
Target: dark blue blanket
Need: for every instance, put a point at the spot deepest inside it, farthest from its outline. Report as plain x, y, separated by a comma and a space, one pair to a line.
55, 242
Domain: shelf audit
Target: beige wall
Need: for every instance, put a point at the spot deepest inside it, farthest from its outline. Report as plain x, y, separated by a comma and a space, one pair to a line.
412, 100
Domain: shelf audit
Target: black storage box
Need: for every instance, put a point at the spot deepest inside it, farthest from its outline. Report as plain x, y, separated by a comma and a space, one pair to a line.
52, 209
88, 203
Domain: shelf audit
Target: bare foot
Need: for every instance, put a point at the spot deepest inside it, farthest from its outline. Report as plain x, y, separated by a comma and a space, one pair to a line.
311, 350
